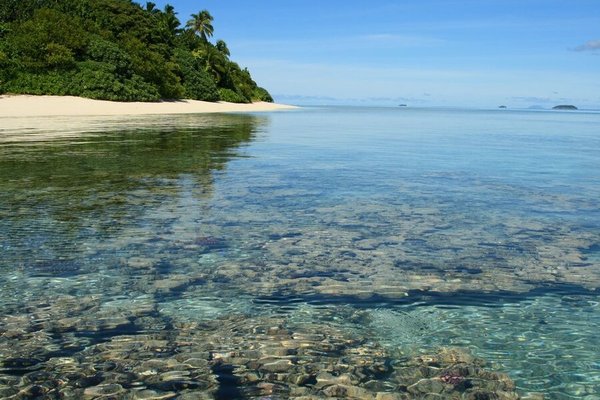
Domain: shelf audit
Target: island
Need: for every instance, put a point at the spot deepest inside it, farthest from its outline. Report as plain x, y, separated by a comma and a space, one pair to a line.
117, 50
502, 107
565, 107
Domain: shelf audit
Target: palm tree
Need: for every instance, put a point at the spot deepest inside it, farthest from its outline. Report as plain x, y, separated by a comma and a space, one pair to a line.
201, 24
214, 61
170, 19
150, 6
222, 47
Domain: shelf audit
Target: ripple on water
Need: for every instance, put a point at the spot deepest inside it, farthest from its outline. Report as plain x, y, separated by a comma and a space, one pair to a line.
180, 257
546, 347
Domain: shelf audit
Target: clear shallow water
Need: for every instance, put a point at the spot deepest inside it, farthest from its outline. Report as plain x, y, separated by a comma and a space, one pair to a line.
324, 240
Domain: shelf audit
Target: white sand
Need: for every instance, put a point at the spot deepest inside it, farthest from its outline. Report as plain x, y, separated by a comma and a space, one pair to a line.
43, 118
37, 106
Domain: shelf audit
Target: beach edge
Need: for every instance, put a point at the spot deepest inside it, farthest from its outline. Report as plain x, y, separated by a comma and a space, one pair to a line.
64, 106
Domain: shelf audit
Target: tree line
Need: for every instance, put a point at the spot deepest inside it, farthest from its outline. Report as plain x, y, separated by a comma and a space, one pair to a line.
116, 50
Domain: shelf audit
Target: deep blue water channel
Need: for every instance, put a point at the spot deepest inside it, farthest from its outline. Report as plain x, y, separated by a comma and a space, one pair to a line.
351, 251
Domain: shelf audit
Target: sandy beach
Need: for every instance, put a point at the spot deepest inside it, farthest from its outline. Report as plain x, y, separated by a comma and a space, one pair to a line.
26, 118
38, 106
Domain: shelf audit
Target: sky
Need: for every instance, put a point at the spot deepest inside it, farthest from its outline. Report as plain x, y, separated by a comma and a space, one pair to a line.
481, 53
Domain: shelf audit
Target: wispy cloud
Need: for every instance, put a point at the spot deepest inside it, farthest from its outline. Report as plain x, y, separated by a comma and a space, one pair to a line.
532, 99
328, 100
396, 99
592, 45
541, 100
300, 97
405, 84
375, 42
402, 40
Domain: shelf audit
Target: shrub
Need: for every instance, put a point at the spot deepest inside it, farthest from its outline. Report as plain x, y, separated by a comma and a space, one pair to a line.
108, 52
91, 79
58, 56
4, 70
50, 83
4, 29
96, 81
261, 94
197, 83
231, 96
49, 39
152, 66
170, 86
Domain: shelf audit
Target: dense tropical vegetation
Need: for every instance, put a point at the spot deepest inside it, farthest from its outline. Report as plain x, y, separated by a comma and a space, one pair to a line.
116, 50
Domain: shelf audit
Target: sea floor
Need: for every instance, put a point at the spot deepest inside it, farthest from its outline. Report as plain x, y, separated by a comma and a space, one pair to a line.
341, 253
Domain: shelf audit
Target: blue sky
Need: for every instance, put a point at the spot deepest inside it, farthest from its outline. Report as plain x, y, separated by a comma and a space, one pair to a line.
425, 53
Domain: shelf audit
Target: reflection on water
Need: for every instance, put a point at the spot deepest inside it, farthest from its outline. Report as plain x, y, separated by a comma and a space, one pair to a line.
58, 195
327, 253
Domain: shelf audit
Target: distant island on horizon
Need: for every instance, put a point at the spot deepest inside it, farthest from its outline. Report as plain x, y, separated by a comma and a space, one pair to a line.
116, 50
565, 107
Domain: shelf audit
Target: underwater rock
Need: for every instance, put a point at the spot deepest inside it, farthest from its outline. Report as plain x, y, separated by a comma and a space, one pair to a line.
452, 371
325, 379
426, 386
209, 241
258, 355
105, 390
175, 282
146, 394
140, 262
56, 268
389, 396
277, 366
347, 392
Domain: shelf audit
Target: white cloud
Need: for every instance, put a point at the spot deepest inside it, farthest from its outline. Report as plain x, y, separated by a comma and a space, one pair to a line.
591, 45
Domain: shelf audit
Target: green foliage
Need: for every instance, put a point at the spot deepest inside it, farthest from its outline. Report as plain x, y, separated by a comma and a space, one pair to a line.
261, 94
154, 67
90, 79
4, 29
197, 83
5, 70
116, 50
109, 52
231, 96
214, 62
18, 10
97, 81
50, 83
59, 56
4, 60
243, 81
49, 39
222, 47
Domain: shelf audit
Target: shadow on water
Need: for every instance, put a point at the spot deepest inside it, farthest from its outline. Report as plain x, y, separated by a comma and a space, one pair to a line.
420, 298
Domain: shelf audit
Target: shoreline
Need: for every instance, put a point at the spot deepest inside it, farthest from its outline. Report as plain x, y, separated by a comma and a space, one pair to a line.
17, 106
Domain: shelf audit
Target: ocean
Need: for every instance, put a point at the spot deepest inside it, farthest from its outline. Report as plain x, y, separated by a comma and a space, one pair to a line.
350, 252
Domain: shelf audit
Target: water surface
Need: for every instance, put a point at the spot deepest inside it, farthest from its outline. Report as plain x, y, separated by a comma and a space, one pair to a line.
341, 252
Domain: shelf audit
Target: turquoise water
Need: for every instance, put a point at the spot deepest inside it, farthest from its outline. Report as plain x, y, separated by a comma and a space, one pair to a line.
349, 252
